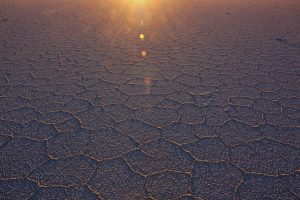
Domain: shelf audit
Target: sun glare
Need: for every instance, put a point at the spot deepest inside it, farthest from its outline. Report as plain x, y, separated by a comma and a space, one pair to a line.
140, 3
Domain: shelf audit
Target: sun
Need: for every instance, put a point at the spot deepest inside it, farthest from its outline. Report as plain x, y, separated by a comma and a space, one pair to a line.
140, 3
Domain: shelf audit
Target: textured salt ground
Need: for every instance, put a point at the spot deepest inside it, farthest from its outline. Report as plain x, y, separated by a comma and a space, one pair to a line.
211, 111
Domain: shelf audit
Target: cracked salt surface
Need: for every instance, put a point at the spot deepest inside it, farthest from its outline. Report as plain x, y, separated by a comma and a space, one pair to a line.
149, 99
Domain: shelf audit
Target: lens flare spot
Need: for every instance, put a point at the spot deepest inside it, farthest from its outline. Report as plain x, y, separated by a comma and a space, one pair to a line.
144, 53
142, 36
147, 81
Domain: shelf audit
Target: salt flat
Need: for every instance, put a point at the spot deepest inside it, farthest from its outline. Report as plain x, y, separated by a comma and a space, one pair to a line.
150, 99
